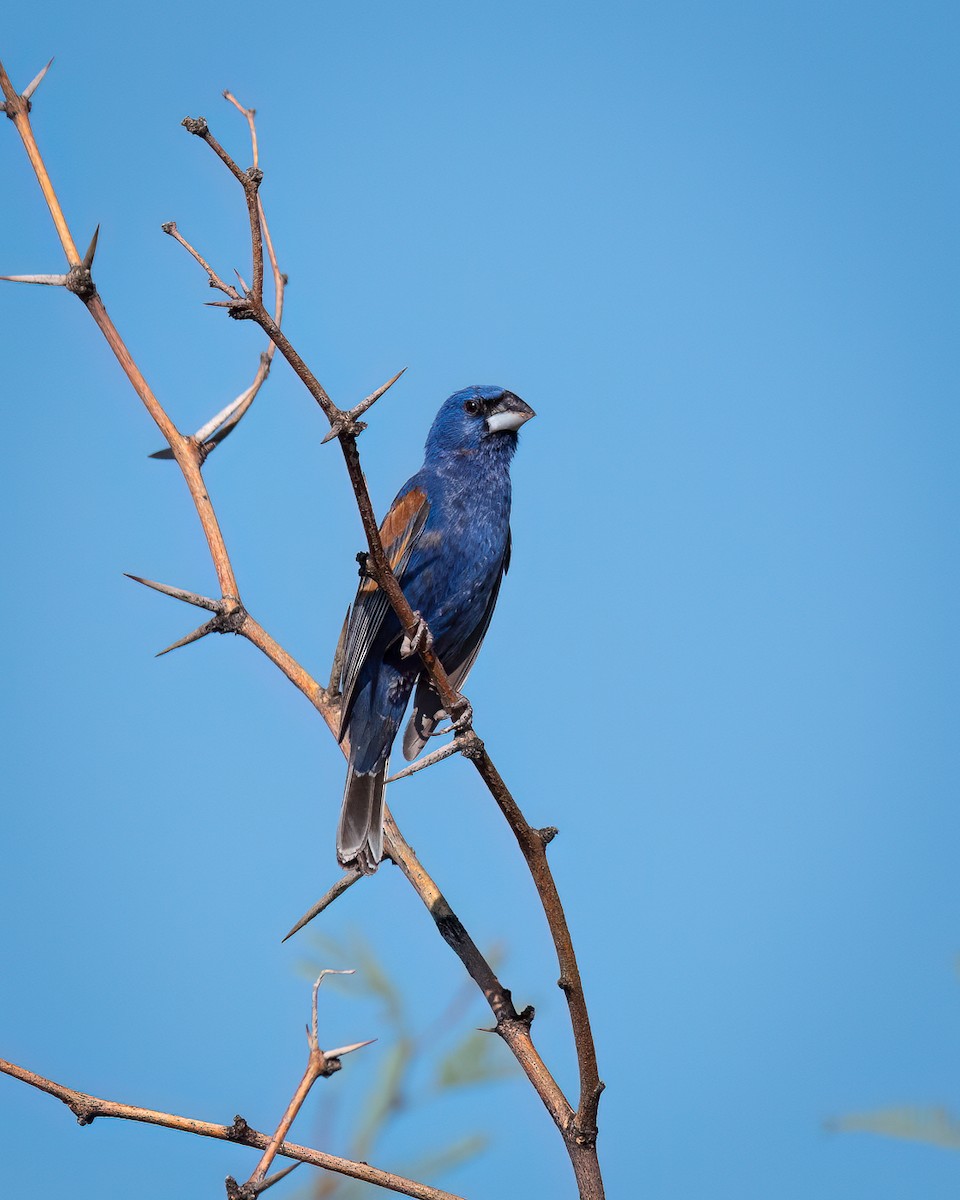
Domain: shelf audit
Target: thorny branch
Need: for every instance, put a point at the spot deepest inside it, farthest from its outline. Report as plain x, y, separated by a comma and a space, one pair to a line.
320, 1064
577, 1126
87, 1108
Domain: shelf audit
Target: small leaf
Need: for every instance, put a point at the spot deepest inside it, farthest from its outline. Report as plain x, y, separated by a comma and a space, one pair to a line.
429, 1166
472, 1061
935, 1126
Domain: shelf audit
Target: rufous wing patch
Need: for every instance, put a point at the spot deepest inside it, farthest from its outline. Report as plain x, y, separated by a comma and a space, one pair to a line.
399, 527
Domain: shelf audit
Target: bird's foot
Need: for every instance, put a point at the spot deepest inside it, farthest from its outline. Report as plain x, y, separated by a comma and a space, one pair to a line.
461, 719
461, 715
420, 639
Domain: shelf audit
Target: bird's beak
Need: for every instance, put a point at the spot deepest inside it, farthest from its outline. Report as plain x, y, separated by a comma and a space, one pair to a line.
508, 414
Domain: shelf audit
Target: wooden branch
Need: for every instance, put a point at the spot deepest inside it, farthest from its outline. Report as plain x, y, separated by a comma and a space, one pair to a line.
320, 1065
579, 1127
87, 1108
250, 182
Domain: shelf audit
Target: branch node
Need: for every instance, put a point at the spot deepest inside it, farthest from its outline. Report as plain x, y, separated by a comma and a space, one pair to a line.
565, 985
83, 1112
344, 426
239, 1131
547, 834
80, 282
471, 746
196, 125
255, 176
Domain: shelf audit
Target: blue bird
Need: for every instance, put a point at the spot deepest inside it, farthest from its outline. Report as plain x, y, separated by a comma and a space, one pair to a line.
447, 539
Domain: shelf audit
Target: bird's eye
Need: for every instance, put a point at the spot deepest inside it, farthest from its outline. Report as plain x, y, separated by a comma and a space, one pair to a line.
472, 407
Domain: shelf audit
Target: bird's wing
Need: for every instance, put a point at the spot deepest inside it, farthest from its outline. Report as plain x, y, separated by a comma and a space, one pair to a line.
427, 704
399, 532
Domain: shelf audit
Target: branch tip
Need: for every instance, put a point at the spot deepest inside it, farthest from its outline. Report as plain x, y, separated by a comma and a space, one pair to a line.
196, 125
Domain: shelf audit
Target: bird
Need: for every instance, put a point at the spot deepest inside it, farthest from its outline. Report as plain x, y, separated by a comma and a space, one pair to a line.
447, 539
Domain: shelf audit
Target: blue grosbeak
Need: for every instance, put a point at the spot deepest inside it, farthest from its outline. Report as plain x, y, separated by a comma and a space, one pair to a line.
447, 538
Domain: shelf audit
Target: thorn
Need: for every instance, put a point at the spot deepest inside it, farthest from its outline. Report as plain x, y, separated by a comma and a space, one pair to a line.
342, 1050
240, 277
344, 882
370, 400
428, 760
49, 280
179, 593
225, 303
91, 250
202, 631
35, 83
277, 1176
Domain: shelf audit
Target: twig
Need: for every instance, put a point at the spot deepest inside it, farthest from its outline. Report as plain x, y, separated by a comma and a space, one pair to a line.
219, 427
170, 228
87, 1108
320, 1064
250, 182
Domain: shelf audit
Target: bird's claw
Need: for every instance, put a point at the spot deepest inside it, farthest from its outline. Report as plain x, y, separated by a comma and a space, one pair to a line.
461, 719
421, 639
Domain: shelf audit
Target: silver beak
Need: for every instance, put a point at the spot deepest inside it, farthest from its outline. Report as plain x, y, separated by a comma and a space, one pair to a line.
511, 412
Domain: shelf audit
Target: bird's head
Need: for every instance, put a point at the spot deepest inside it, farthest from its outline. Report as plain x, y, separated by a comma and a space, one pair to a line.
477, 417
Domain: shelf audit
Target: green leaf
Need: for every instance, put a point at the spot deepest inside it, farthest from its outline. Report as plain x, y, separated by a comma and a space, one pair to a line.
472, 1061
935, 1126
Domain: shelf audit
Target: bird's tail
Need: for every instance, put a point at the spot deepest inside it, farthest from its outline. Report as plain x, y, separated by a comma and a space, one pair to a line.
360, 832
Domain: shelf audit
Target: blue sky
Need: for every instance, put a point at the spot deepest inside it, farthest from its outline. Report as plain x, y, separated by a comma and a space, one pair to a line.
715, 247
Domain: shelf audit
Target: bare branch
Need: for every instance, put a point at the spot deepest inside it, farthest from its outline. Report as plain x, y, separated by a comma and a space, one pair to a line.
320, 1064
250, 182
579, 1129
87, 1108
170, 227
219, 427
250, 114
